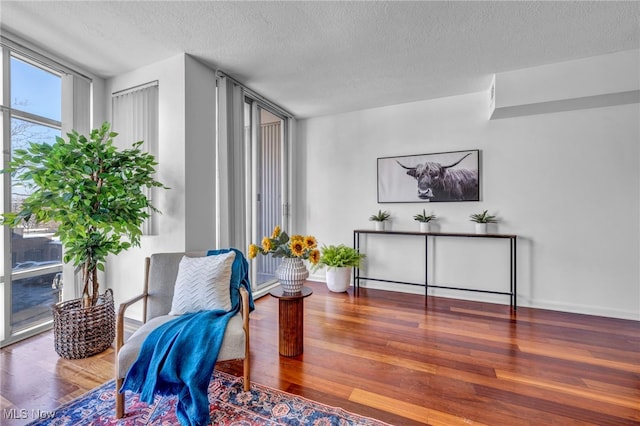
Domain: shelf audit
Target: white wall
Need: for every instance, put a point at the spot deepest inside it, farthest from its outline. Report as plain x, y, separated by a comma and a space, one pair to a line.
125, 271
185, 159
200, 172
567, 183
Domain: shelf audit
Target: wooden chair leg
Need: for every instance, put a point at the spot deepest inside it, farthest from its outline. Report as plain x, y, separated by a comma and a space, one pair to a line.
247, 382
119, 399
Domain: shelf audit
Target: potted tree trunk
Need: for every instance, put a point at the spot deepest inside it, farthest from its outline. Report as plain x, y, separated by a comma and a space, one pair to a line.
96, 194
339, 260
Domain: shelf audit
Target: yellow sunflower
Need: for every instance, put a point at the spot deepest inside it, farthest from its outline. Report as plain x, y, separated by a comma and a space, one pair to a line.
297, 247
266, 244
314, 256
310, 241
253, 251
276, 232
296, 238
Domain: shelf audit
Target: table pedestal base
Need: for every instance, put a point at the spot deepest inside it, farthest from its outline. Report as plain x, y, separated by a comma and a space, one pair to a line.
291, 325
290, 321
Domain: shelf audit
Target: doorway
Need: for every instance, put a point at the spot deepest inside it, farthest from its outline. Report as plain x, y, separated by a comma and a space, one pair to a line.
265, 132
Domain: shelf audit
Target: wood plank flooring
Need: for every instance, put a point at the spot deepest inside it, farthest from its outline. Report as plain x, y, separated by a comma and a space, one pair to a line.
386, 355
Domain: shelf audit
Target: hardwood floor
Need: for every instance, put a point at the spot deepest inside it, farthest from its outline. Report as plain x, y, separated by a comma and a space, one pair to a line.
387, 356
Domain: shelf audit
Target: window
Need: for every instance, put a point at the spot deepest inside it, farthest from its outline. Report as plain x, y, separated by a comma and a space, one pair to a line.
35, 110
31, 101
35, 92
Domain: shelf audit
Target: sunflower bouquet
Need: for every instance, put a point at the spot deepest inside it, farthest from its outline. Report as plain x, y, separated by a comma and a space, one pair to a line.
279, 244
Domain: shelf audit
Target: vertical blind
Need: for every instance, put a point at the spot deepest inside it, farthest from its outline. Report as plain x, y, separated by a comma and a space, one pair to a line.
270, 203
135, 118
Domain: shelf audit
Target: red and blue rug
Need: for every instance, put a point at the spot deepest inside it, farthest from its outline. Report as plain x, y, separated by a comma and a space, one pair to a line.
229, 405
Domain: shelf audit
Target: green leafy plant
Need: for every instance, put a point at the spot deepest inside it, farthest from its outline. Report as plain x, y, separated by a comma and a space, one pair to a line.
381, 216
93, 190
483, 217
340, 256
424, 217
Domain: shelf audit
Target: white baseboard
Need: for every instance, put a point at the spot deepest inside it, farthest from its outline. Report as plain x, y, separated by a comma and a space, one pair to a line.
581, 309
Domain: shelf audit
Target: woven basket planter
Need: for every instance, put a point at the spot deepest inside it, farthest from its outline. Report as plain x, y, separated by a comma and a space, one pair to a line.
82, 332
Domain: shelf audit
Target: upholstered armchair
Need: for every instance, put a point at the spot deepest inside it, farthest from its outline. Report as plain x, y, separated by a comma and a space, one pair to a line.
161, 271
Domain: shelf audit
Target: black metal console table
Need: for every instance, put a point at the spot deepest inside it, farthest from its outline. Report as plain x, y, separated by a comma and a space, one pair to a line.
512, 259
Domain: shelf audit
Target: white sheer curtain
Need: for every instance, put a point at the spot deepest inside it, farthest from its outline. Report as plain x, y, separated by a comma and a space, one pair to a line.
135, 118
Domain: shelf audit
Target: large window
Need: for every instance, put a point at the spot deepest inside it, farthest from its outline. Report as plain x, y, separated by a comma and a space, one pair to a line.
34, 109
40, 99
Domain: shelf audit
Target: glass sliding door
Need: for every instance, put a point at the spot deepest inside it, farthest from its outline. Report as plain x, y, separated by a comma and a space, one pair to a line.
266, 131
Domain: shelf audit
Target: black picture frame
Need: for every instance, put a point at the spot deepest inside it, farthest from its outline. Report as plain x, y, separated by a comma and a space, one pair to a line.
452, 176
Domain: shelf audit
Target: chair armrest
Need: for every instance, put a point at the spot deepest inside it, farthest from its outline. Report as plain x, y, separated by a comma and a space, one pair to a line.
120, 319
245, 326
245, 309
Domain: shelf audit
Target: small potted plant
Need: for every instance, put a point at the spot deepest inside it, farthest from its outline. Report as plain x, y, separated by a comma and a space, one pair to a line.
380, 218
339, 260
481, 220
424, 220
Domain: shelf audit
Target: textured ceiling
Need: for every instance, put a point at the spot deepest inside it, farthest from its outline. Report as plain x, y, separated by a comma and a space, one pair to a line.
316, 58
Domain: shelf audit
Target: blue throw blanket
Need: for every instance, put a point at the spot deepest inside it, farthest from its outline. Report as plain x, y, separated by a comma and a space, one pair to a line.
178, 357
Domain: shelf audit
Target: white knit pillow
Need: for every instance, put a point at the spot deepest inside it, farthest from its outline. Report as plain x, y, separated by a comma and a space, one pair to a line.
203, 284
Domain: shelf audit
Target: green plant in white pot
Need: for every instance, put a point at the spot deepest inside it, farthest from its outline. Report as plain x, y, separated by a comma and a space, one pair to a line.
481, 220
380, 218
339, 260
424, 219
95, 192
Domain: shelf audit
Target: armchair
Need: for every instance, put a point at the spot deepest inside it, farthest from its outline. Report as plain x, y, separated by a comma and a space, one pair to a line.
161, 270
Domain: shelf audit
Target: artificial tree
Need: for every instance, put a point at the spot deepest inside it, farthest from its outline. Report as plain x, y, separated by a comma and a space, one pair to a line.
94, 191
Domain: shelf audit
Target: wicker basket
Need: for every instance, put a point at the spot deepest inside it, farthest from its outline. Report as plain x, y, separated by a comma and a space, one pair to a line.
82, 332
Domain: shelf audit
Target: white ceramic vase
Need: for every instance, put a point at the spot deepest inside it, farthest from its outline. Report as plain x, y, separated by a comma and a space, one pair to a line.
425, 226
292, 273
338, 279
379, 226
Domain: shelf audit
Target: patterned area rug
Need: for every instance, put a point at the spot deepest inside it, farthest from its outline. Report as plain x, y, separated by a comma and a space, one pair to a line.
229, 405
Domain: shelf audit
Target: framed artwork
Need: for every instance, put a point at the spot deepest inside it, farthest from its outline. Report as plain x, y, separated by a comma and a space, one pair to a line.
438, 177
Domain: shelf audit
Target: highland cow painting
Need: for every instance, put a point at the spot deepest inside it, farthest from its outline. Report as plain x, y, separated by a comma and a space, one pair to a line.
440, 177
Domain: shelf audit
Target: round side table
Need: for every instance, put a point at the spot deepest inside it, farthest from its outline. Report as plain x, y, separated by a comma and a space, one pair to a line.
291, 320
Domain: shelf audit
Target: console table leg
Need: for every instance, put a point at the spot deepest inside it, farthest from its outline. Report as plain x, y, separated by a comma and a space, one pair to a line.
426, 269
514, 276
356, 270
